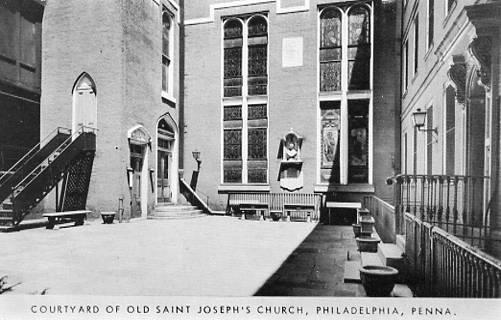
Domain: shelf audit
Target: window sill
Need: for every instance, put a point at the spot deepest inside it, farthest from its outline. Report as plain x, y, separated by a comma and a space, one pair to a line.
168, 97
353, 187
228, 188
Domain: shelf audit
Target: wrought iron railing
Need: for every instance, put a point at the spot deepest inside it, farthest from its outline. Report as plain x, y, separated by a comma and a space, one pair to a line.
440, 264
457, 204
193, 197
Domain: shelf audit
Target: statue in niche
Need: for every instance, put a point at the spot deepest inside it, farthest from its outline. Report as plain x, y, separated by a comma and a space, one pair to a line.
291, 175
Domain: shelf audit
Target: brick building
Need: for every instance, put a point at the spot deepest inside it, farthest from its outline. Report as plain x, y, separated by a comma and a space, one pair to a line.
20, 32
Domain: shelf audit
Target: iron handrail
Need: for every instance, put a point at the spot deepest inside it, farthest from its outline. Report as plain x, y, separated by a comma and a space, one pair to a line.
30, 154
75, 134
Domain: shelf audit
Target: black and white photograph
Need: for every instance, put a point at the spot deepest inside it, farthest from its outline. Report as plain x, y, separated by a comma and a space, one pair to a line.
250, 159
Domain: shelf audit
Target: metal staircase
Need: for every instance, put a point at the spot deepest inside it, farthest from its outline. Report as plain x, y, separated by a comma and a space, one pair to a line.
67, 157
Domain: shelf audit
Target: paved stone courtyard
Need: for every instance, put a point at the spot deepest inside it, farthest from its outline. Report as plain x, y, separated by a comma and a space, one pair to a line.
210, 256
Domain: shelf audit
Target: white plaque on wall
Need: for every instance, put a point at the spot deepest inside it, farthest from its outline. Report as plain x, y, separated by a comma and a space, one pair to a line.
292, 52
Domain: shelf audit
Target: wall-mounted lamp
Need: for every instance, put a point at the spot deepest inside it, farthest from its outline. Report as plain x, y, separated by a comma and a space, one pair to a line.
130, 176
152, 179
419, 118
196, 156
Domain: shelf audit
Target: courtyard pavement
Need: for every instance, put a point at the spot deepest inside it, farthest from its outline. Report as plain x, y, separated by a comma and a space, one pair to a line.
208, 256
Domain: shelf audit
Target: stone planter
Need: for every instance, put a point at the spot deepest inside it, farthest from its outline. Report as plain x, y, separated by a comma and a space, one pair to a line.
367, 224
363, 214
357, 229
367, 244
108, 217
378, 281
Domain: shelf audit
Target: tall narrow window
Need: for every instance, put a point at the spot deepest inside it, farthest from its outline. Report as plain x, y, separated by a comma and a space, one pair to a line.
431, 23
416, 44
245, 120
330, 50
233, 43
258, 56
232, 153
405, 67
406, 155
429, 140
359, 49
450, 125
166, 51
449, 5
358, 153
330, 135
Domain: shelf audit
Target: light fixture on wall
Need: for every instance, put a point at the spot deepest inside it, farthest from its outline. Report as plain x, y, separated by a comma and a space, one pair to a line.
152, 179
419, 118
196, 156
130, 176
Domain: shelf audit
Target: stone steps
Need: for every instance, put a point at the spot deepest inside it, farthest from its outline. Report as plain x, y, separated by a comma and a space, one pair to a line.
176, 212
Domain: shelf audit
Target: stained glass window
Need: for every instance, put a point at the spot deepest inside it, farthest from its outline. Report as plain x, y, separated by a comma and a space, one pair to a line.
232, 172
258, 56
257, 111
257, 143
359, 48
232, 144
358, 141
232, 113
330, 50
233, 58
330, 129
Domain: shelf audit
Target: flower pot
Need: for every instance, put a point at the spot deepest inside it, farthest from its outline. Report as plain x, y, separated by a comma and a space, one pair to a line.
367, 244
108, 217
357, 229
378, 281
276, 216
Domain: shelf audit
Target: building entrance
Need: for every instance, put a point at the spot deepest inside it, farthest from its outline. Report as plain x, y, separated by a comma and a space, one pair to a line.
164, 162
136, 163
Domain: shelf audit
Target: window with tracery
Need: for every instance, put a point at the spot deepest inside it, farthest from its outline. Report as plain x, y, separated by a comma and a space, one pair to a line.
359, 48
233, 43
330, 50
258, 55
166, 50
245, 126
345, 51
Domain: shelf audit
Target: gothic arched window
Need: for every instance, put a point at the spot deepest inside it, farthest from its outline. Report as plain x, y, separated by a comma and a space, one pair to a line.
258, 55
330, 50
233, 43
359, 48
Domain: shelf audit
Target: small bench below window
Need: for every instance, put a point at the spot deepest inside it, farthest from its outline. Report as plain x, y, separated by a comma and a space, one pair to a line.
77, 216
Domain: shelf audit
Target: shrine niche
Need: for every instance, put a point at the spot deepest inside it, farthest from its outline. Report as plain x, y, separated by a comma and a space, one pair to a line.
290, 173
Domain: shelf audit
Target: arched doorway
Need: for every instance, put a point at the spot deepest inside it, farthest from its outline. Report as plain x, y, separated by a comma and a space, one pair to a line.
139, 144
84, 103
167, 161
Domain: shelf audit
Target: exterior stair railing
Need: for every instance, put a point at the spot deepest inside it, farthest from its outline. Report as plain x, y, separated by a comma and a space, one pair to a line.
70, 160
194, 198
31, 160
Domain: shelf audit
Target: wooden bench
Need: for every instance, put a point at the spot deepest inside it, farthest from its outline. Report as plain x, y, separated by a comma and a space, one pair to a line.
254, 207
66, 216
309, 208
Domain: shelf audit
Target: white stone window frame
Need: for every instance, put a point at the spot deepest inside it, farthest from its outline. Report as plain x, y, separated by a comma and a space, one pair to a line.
428, 45
345, 95
244, 101
169, 93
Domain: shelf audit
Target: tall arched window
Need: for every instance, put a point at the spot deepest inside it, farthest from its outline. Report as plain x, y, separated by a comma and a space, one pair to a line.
258, 56
359, 48
450, 125
166, 51
233, 43
330, 50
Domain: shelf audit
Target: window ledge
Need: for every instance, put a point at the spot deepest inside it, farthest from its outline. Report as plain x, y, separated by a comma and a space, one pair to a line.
169, 97
354, 187
227, 188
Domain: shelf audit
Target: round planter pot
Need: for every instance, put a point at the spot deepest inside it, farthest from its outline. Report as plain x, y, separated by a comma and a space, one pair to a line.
108, 217
276, 216
357, 229
378, 281
367, 244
